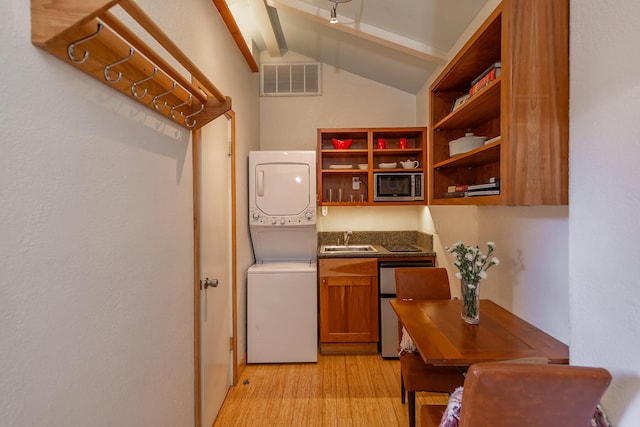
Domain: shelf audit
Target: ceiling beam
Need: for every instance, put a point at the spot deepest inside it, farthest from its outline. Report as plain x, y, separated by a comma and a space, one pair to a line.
236, 34
364, 31
270, 31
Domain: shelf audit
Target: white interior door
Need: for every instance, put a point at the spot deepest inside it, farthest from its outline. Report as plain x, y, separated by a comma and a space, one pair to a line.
215, 264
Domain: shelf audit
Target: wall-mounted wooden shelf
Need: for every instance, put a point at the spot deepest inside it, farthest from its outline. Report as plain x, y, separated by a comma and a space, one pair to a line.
335, 185
87, 35
527, 107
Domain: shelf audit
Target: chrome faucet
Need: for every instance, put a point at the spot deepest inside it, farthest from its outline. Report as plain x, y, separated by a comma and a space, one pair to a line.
347, 235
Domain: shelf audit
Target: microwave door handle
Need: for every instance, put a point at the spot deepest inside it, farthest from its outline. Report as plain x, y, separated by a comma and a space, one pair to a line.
260, 183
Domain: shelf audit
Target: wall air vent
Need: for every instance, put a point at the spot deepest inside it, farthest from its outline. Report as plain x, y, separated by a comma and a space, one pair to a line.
297, 79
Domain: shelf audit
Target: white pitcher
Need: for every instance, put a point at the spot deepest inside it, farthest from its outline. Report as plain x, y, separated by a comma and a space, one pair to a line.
410, 164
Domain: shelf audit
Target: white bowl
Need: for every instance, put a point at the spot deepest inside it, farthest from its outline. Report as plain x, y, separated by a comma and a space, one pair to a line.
466, 143
388, 165
363, 166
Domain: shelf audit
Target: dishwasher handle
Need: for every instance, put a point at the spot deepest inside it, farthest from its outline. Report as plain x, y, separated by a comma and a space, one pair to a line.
401, 264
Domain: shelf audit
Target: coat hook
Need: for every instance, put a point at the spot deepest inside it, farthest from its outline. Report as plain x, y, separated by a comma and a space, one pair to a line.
156, 104
173, 109
134, 90
107, 69
187, 118
71, 49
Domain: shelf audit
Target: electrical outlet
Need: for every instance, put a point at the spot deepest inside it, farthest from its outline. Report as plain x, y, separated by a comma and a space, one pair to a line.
356, 183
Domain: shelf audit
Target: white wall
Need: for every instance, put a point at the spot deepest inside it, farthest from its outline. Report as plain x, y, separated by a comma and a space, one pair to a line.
532, 245
604, 202
366, 218
230, 73
566, 269
96, 261
348, 101
448, 224
526, 238
532, 278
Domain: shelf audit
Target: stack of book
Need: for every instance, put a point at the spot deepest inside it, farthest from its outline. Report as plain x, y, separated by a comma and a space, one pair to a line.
489, 75
489, 188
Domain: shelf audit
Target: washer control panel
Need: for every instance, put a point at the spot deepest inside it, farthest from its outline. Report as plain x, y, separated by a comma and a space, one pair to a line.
257, 217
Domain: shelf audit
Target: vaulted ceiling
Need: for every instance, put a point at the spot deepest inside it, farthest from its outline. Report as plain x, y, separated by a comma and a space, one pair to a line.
398, 43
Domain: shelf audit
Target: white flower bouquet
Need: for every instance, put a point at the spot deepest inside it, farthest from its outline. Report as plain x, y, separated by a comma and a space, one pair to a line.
472, 266
471, 262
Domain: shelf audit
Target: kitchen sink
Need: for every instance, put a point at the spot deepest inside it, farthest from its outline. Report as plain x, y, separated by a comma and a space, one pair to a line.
337, 249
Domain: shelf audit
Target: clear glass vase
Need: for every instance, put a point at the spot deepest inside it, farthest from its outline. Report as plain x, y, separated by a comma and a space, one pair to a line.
470, 307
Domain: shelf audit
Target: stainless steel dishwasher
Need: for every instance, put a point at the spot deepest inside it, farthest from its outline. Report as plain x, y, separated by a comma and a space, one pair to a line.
388, 320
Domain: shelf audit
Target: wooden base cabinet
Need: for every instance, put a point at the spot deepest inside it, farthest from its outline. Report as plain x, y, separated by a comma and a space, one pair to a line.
348, 302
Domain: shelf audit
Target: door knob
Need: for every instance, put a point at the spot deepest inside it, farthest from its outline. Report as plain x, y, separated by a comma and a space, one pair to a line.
206, 282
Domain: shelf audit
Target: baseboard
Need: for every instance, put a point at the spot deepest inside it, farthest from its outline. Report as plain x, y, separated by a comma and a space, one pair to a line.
349, 348
241, 366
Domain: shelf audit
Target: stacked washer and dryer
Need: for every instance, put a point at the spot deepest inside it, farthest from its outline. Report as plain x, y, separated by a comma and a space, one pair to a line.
282, 304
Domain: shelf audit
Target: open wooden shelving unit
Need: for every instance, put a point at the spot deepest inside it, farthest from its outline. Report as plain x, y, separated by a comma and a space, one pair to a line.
87, 35
363, 151
527, 107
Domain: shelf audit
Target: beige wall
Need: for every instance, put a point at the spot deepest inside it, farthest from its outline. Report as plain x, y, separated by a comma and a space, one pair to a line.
603, 221
519, 283
96, 224
351, 101
384, 218
347, 100
565, 269
95, 220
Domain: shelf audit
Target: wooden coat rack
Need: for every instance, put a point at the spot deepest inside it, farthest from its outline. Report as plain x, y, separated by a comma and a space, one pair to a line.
85, 34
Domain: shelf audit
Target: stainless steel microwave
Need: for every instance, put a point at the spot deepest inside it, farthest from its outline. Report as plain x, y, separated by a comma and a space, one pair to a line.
398, 186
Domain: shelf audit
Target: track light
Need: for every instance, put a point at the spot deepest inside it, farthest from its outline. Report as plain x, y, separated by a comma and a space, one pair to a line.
334, 10
334, 14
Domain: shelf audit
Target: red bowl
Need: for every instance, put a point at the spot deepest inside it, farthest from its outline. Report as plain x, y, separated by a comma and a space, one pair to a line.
341, 144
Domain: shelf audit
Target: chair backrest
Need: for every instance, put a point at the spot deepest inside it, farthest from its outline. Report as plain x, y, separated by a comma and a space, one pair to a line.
422, 283
531, 395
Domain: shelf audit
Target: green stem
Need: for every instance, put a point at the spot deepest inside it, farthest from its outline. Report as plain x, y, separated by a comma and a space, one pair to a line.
469, 300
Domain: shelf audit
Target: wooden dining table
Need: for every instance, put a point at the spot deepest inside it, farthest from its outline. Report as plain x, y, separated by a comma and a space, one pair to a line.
443, 338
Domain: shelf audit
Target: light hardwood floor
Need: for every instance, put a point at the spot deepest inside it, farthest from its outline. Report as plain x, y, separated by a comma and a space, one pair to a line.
339, 391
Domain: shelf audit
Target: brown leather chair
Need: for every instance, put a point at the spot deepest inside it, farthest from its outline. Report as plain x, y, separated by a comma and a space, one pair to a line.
526, 395
415, 375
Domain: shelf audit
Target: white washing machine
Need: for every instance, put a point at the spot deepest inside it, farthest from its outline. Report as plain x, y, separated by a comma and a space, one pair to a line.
281, 305
282, 320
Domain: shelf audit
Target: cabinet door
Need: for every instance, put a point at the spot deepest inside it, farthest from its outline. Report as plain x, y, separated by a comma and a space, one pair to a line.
348, 309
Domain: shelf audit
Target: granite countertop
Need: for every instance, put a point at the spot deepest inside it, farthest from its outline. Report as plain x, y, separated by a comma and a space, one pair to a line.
422, 241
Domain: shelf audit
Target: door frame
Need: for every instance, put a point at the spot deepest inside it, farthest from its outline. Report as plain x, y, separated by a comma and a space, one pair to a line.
195, 144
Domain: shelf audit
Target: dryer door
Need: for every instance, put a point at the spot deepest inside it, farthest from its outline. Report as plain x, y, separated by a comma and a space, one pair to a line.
283, 188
